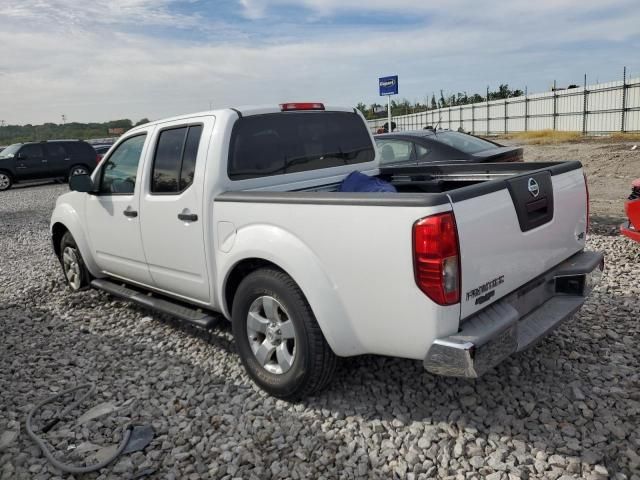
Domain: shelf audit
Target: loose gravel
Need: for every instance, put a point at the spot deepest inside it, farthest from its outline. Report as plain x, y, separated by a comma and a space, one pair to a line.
568, 408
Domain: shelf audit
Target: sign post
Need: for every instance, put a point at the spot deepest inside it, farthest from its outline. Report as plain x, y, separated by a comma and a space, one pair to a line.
388, 86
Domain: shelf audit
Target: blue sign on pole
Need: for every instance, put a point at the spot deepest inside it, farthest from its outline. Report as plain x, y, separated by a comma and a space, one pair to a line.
388, 85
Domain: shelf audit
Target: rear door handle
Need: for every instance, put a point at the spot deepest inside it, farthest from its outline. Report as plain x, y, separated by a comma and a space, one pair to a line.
130, 213
188, 217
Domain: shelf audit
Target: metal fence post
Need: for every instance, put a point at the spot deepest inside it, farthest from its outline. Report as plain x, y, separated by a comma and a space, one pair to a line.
555, 105
473, 119
584, 106
624, 98
505, 115
488, 110
526, 109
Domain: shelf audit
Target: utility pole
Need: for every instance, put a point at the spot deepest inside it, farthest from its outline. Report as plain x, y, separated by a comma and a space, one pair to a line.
64, 118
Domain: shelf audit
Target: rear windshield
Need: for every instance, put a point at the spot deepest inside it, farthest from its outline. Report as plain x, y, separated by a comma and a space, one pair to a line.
463, 142
277, 143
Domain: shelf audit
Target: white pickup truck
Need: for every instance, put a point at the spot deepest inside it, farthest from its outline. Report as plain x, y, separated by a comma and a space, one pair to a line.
237, 213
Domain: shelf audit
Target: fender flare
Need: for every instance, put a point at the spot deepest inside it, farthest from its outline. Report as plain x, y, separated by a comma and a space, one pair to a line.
67, 216
296, 259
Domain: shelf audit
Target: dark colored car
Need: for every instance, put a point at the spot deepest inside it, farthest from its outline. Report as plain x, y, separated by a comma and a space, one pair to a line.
441, 146
100, 151
42, 160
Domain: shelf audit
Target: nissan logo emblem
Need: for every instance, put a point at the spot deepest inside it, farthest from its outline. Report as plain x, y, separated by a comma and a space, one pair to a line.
533, 187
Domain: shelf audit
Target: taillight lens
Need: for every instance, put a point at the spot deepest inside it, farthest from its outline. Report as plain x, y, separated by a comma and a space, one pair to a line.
436, 257
586, 186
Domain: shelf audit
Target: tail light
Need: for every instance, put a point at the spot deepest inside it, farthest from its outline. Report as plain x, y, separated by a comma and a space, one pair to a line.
436, 258
586, 186
99, 157
288, 107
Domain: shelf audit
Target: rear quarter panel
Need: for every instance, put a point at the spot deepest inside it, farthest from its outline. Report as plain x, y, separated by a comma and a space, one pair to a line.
353, 263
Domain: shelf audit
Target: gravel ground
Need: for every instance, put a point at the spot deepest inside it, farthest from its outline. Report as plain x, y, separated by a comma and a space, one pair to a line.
569, 408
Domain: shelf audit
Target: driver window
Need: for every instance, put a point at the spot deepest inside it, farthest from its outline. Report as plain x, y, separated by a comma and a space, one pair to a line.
121, 168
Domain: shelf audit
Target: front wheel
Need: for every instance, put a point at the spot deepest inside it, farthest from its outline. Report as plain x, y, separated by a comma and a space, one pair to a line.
279, 340
73, 267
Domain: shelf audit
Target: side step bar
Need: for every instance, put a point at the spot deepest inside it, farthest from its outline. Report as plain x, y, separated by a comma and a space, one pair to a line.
190, 315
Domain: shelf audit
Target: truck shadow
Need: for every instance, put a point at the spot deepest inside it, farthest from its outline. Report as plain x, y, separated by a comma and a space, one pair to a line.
573, 394
606, 225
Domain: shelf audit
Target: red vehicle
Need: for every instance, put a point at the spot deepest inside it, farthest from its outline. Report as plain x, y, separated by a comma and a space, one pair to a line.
632, 207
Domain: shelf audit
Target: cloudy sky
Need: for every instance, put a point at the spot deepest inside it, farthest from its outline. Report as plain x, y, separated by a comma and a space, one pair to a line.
95, 61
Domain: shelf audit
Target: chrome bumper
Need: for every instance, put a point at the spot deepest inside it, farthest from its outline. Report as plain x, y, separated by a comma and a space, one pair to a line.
518, 320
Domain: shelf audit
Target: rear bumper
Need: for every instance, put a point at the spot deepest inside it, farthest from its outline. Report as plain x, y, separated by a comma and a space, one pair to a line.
518, 320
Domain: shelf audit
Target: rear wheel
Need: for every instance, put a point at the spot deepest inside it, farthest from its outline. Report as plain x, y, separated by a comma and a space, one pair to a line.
73, 267
5, 181
279, 340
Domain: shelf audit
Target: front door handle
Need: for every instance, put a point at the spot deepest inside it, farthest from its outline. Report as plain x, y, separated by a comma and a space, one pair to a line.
130, 213
188, 217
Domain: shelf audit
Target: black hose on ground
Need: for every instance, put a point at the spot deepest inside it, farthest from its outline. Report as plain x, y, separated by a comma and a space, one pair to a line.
73, 469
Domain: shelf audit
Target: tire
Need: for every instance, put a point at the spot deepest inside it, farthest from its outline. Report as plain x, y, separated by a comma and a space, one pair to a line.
78, 170
73, 267
6, 180
278, 338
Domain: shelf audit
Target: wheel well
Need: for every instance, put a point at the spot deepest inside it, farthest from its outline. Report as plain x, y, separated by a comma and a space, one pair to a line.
8, 172
239, 272
57, 232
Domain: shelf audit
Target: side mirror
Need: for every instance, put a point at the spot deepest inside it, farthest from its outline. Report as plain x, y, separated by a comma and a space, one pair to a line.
21, 156
81, 183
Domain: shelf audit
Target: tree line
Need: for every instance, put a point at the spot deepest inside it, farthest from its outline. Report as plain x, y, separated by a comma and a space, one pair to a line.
73, 130
404, 106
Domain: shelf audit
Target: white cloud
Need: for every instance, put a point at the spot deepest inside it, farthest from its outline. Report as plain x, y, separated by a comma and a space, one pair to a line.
94, 69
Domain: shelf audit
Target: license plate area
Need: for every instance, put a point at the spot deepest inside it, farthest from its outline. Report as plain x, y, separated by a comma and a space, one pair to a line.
580, 285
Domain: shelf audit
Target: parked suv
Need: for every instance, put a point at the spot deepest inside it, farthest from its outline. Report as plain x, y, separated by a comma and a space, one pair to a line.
50, 159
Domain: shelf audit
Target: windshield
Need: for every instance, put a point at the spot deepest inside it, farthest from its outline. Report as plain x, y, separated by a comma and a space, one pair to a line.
10, 151
273, 144
463, 142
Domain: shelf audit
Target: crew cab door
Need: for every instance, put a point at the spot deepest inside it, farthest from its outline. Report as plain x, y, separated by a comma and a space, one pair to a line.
172, 216
112, 214
31, 162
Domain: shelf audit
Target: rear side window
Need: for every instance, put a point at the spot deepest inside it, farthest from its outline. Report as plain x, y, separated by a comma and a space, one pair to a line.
274, 144
56, 150
175, 159
463, 142
77, 150
394, 151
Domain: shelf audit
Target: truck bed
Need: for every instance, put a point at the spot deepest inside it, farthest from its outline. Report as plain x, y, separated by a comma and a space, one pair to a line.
508, 236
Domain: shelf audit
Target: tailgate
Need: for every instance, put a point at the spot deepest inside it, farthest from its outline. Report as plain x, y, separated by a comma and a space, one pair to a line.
513, 230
